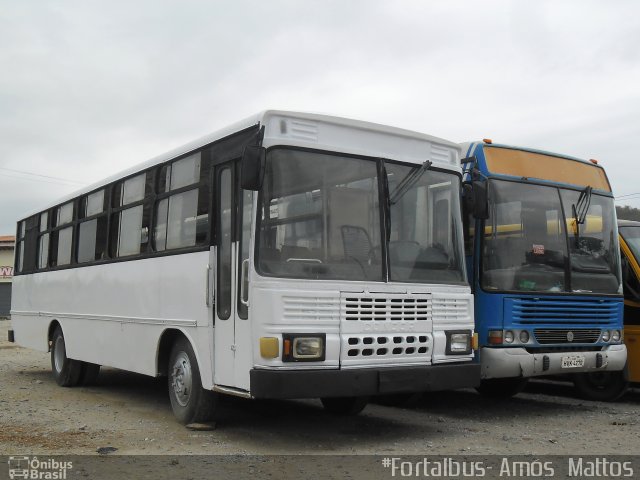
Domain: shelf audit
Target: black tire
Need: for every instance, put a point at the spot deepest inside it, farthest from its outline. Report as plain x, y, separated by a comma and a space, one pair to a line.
601, 386
66, 371
501, 387
344, 405
189, 401
89, 374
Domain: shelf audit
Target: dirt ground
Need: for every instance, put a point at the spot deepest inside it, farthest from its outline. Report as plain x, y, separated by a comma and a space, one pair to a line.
132, 413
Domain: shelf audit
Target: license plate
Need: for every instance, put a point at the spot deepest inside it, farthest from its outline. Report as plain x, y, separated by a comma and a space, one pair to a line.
573, 361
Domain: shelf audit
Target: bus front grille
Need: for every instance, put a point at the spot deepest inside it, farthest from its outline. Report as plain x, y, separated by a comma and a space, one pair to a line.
390, 346
385, 328
564, 335
531, 311
386, 307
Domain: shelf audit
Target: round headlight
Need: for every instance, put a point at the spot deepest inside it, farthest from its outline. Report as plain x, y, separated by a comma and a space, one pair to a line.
524, 336
508, 336
605, 336
615, 336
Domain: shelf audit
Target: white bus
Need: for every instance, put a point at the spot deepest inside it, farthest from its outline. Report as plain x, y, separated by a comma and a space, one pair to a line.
288, 256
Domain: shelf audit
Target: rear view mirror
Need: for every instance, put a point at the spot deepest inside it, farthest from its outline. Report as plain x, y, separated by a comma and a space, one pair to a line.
480, 200
252, 167
475, 198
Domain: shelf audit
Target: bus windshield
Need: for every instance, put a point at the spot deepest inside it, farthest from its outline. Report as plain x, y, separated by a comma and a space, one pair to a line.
532, 242
321, 217
631, 235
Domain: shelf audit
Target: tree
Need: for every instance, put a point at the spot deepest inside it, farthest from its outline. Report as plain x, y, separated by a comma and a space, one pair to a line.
625, 212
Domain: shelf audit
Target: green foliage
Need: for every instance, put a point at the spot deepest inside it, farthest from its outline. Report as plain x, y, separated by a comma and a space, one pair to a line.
626, 212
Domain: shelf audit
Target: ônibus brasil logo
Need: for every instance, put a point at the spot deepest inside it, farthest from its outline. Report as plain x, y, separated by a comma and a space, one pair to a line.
33, 468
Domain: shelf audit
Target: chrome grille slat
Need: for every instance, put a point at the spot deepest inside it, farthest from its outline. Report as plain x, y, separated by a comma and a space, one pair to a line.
546, 336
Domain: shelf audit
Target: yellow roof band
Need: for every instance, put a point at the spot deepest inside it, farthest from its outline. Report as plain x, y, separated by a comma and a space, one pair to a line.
521, 163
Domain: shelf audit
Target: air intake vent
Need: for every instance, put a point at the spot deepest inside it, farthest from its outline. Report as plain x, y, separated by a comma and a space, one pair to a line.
310, 308
382, 308
397, 345
303, 130
441, 154
531, 311
565, 335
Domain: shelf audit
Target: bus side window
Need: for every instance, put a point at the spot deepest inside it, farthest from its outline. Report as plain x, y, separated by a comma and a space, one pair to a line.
27, 245
20, 247
62, 235
182, 217
129, 228
92, 230
43, 241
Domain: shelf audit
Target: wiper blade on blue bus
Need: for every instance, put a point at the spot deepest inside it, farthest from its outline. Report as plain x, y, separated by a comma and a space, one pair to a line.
409, 181
581, 207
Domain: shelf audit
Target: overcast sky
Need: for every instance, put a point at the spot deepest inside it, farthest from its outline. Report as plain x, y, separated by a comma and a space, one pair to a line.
88, 88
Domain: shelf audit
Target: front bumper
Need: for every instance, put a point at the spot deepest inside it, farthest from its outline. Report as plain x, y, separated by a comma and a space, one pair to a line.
362, 381
517, 362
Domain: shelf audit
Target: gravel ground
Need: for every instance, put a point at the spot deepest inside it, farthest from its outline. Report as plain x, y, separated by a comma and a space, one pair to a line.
132, 413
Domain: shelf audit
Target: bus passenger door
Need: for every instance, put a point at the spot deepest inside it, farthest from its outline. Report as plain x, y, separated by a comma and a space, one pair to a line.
232, 334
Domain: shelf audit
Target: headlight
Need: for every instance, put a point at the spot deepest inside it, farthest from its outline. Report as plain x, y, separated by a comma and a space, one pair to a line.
303, 347
605, 336
615, 336
458, 343
524, 336
307, 347
508, 336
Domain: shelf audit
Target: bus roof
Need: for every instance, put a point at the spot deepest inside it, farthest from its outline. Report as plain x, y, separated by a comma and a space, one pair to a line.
261, 118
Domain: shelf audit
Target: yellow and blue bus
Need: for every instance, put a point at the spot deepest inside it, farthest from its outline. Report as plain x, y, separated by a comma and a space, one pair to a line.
545, 269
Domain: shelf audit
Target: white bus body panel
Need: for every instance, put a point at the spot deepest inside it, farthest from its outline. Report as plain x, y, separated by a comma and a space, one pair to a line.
122, 307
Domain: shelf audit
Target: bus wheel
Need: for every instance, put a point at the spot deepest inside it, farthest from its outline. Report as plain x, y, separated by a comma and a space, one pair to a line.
344, 405
65, 370
189, 401
602, 386
502, 387
89, 374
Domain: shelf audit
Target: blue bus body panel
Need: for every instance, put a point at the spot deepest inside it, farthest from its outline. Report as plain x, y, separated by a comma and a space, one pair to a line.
510, 311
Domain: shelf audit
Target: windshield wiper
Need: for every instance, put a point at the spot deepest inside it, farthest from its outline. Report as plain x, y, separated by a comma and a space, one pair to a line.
580, 209
408, 181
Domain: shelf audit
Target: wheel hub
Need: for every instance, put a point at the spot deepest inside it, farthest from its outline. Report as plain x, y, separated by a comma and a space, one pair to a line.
181, 379
59, 354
